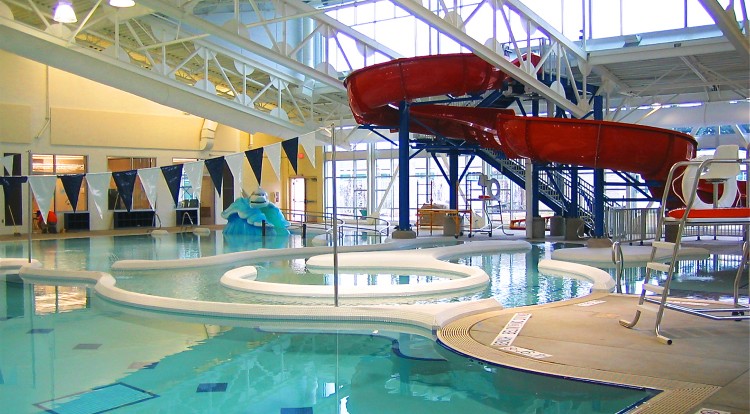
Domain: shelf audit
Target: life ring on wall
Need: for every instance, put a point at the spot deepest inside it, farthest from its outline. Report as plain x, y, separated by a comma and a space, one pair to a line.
492, 186
728, 193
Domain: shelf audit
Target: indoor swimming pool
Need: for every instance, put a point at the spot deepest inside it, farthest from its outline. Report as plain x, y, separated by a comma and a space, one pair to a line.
97, 357
68, 350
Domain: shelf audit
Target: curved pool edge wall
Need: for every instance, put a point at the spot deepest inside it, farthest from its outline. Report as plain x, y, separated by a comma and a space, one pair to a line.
601, 280
633, 256
463, 278
228, 258
8, 265
431, 317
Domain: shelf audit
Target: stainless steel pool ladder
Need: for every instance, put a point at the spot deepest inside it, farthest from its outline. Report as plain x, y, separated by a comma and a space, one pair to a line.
184, 226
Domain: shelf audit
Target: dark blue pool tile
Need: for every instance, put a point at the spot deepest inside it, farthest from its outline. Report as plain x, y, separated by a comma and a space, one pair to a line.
40, 331
87, 346
212, 387
143, 365
97, 400
4, 318
2, 380
298, 410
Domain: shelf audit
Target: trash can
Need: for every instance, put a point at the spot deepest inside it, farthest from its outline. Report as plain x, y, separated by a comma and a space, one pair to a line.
453, 225
537, 228
556, 226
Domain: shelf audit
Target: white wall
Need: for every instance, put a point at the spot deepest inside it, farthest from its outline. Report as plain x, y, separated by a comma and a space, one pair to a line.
87, 118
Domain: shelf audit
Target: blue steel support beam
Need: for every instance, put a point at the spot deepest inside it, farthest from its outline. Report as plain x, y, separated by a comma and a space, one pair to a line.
534, 172
534, 190
598, 178
453, 179
403, 167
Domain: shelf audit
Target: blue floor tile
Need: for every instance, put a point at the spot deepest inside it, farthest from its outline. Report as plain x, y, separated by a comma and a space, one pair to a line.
143, 365
97, 400
212, 387
87, 346
40, 331
298, 410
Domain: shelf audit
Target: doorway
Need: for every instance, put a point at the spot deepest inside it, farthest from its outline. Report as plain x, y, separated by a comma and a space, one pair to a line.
297, 204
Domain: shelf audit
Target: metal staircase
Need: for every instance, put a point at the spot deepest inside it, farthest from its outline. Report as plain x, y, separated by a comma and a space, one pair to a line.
554, 186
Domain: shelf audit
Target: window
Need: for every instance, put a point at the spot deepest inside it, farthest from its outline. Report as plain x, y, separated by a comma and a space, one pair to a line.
186, 198
47, 164
116, 164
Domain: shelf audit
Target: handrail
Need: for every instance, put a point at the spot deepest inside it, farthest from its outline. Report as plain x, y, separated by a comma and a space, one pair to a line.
156, 220
380, 228
183, 226
617, 259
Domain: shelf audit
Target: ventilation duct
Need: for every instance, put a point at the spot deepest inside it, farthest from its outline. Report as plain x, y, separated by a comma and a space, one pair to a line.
207, 134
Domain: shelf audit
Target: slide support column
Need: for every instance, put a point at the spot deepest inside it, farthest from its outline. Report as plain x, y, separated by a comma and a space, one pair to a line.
403, 167
598, 178
453, 179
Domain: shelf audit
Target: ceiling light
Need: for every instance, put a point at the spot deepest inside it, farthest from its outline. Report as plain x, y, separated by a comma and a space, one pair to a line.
121, 3
64, 12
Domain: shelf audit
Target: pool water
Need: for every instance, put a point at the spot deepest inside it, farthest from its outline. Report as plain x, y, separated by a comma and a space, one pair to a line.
95, 356
514, 282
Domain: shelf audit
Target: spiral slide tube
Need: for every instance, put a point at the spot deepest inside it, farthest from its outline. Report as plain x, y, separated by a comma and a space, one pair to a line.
375, 92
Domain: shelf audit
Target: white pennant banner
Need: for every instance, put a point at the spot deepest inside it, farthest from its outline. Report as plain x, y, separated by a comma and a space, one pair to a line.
7, 163
194, 172
150, 181
98, 184
235, 162
43, 188
273, 152
308, 144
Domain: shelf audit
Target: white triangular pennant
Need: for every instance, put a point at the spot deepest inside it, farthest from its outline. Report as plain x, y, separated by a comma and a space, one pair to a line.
274, 157
194, 172
7, 163
43, 188
307, 142
98, 184
150, 181
235, 162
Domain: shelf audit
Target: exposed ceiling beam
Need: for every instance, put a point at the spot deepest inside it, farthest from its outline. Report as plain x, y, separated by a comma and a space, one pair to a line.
660, 51
50, 50
428, 17
544, 27
354, 34
245, 43
727, 22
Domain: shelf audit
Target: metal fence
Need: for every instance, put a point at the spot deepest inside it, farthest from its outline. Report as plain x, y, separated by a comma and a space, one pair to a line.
630, 225
636, 225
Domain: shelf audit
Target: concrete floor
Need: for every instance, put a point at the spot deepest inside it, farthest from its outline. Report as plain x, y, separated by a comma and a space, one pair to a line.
706, 367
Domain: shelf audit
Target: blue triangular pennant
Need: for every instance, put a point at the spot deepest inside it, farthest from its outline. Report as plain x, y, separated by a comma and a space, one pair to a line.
125, 182
291, 148
173, 177
215, 167
72, 186
12, 188
255, 158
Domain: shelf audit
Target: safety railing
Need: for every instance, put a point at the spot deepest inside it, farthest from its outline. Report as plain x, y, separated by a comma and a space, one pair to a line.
631, 225
352, 229
638, 225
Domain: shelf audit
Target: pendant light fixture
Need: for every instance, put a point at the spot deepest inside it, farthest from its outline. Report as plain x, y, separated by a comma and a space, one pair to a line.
64, 12
121, 3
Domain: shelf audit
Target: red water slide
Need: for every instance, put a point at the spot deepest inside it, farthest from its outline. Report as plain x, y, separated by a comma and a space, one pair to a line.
375, 92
